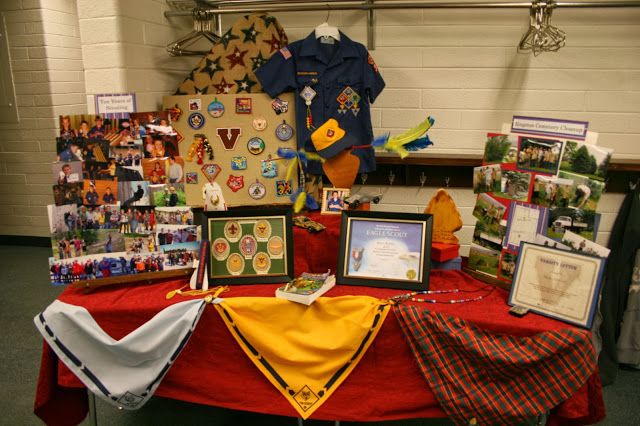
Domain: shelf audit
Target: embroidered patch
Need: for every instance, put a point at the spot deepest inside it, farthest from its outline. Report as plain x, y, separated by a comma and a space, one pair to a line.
255, 146
259, 123
280, 106
236, 183
284, 131
268, 168
175, 113
243, 105
195, 104
286, 54
283, 188
215, 108
229, 136
211, 171
348, 99
191, 178
372, 63
257, 190
196, 120
239, 163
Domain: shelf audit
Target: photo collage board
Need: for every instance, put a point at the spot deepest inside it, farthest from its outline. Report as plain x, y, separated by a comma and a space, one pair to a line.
119, 199
231, 141
536, 189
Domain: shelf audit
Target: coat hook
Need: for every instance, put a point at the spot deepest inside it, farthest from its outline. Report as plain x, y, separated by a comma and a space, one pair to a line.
446, 181
423, 179
363, 178
392, 177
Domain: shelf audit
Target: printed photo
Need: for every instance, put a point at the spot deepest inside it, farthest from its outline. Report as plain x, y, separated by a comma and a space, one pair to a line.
514, 185
67, 245
133, 194
137, 220
100, 192
127, 156
89, 126
483, 238
94, 217
487, 178
584, 159
484, 260
168, 195
96, 150
160, 146
490, 212
539, 155
59, 218
154, 171
103, 241
333, 200
180, 255
174, 234
98, 170
152, 122
66, 172
582, 222
586, 193
69, 193
140, 243
548, 242
507, 265
501, 149
582, 245
69, 150
550, 191
174, 216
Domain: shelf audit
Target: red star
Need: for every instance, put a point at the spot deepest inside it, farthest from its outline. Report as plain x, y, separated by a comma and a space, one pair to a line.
236, 58
223, 87
274, 43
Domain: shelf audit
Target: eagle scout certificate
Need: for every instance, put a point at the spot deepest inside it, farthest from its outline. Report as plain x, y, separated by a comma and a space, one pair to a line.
558, 284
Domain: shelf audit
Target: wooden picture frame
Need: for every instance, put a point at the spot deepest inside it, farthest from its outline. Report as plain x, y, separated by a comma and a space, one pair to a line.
366, 235
249, 246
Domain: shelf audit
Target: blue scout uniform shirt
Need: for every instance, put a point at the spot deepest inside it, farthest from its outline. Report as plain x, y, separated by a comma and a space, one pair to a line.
346, 80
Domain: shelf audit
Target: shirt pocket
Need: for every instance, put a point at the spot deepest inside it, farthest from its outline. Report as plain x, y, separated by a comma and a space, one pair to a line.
348, 96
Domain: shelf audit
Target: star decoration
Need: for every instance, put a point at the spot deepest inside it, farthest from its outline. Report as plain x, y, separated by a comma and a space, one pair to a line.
236, 58
268, 20
245, 84
201, 91
212, 67
227, 37
274, 43
223, 87
250, 34
258, 61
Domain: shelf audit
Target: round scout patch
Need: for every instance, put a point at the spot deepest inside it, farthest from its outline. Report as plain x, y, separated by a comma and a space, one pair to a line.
284, 131
275, 246
215, 109
232, 231
255, 146
248, 246
261, 263
259, 123
196, 120
262, 230
257, 190
235, 264
220, 248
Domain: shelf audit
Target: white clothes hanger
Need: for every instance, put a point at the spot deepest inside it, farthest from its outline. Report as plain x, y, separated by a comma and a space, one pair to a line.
326, 30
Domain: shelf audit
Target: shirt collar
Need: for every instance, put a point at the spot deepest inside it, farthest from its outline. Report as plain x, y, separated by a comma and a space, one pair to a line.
347, 48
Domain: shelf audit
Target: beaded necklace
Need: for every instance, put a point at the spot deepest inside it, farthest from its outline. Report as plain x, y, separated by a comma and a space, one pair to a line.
411, 296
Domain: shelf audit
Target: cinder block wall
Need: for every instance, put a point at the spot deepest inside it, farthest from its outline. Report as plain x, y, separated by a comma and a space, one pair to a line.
460, 66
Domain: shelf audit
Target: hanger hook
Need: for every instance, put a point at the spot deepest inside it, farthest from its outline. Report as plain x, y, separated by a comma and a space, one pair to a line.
326, 19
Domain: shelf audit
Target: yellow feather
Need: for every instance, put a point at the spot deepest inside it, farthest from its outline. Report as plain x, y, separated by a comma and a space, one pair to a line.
395, 142
299, 204
292, 166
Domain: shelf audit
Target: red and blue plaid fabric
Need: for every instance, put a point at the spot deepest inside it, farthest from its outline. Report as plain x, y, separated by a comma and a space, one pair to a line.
496, 379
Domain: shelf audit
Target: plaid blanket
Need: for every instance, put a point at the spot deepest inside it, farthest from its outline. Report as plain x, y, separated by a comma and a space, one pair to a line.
496, 379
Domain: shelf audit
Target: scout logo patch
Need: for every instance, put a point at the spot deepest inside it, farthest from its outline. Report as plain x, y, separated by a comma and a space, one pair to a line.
257, 190
239, 163
372, 63
248, 246
216, 108
283, 188
236, 183
211, 171
232, 231
330, 133
175, 113
284, 131
243, 105
220, 249
261, 263
348, 100
259, 123
305, 398
255, 146
196, 120
130, 400
280, 106
229, 136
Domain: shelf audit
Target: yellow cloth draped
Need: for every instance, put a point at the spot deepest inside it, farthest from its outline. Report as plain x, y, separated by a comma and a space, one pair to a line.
306, 352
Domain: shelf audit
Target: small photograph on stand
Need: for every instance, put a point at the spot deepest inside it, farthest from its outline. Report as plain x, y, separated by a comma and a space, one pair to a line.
585, 192
550, 191
514, 185
501, 149
585, 223
584, 159
489, 212
487, 178
507, 265
539, 155
333, 200
483, 259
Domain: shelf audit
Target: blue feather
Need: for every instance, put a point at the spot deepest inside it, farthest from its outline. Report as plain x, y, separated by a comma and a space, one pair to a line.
287, 153
419, 144
294, 196
312, 204
380, 141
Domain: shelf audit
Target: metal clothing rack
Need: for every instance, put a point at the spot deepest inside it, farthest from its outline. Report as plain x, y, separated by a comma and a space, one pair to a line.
220, 7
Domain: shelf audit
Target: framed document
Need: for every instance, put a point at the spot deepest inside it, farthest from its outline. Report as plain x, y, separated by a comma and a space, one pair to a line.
557, 283
382, 249
249, 246
525, 222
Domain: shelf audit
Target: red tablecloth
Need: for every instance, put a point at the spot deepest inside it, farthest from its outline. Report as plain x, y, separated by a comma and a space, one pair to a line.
213, 370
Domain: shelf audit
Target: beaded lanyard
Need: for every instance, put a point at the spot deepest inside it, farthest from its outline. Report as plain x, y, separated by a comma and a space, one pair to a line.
411, 296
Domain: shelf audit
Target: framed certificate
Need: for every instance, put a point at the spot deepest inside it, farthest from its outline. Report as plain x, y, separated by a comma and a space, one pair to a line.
556, 283
382, 249
249, 246
525, 222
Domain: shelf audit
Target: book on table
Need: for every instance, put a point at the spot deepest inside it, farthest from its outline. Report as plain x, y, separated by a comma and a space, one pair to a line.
307, 288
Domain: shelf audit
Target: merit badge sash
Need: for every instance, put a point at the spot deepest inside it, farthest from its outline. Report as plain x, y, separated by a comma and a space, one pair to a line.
305, 352
484, 378
126, 372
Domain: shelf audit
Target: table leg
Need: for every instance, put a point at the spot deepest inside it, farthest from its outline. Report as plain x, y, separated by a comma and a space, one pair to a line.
337, 423
300, 421
93, 414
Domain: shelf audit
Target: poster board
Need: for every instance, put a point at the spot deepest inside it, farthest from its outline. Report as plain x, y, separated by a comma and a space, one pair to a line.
232, 117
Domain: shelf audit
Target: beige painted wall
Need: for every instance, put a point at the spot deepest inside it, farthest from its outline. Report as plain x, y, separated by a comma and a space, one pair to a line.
460, 66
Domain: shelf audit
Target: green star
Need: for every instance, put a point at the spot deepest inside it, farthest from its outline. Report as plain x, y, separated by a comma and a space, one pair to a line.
258, 61
245, 84
212, 67
227, 37
250, 34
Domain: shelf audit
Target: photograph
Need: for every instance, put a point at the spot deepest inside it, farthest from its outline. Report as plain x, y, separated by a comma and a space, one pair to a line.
90, 127
507, 265
103, 241
66, 172
584, 159
140, 243
67, 245
160, 146
586, 193
174, 234
514, 185
539, 155
482, 237
168, 195
154, 170
152, 122
582, 245
100, 192
180, 255
126, 155
99, 170
134, 194
551, 191
487, 178
582, 222
59, 217
174, 216
333, 200
69, 193
501, 149
484, 260
490, 212
136, 220
70, 150
96, 150
548, 242
105, 216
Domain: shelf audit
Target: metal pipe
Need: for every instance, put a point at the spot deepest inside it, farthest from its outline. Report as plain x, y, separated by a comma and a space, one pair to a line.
249, 6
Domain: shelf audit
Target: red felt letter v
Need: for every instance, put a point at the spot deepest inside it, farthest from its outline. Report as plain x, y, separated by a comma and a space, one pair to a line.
229, 136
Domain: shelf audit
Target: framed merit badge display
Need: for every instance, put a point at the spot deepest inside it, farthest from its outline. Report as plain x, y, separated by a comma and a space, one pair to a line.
383, 249
250, 246
557, 283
